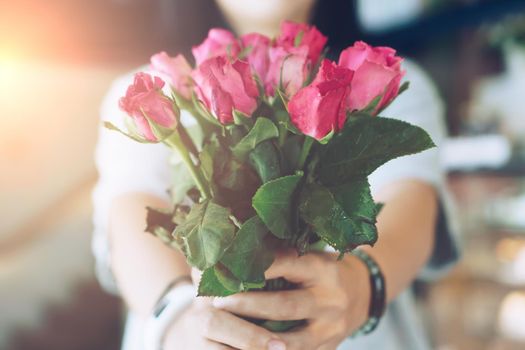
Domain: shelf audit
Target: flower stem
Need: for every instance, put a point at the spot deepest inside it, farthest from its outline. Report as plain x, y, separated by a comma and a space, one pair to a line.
187, 140
305, 151
175, 142
282, 134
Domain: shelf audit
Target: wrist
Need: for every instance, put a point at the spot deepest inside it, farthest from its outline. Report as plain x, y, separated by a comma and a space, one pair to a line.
360, 290
177, 297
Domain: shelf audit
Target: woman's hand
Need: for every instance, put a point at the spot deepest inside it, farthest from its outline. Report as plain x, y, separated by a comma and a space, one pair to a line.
334, 297
204, 327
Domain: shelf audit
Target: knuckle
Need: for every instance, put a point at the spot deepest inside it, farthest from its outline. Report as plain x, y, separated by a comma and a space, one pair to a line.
340, 328
344, 299
255, 340
238, 302
209, 322
337, 301
287, 307
316, 262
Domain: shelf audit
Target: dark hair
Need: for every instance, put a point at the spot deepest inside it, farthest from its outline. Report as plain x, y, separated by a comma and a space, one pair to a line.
334, 18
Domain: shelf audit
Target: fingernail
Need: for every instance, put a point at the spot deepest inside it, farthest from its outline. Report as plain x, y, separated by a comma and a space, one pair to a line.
276, 345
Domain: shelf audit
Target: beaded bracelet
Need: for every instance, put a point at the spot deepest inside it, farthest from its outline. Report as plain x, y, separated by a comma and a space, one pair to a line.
377, 293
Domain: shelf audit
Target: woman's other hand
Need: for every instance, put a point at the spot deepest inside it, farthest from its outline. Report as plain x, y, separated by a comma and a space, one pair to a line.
204, 327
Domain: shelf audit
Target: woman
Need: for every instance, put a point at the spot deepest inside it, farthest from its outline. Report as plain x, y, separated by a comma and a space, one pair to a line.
334, 295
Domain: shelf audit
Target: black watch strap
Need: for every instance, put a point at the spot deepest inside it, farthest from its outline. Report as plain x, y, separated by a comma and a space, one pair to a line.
161, 303
377, 293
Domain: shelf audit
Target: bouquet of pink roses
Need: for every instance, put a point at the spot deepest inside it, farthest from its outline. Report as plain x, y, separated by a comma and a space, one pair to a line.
288, 141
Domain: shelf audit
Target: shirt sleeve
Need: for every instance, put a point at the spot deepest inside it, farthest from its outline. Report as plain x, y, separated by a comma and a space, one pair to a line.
421, 105
123, 166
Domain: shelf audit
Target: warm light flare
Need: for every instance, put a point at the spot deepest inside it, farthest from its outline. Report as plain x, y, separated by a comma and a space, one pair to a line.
512, 316
9, 66
509, 249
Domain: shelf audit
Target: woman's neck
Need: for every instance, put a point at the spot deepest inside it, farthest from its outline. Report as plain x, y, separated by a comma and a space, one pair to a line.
243, 24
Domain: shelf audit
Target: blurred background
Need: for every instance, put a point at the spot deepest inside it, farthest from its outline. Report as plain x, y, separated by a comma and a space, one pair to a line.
57, 59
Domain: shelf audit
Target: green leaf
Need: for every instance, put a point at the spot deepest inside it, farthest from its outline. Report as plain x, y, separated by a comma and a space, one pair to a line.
355, 198
202, 111
379, 207
113, 127
206, 234
161, 133
281, 115
264, 129
273, 202
298, 38
242, 119
181, 101
365, 144
182, 182
343, 217
232, 283
291, 151
227, 279
264, 159
327, 137
283, 118
372, 105
282, 326
212, 158
222, 169
211, 286
249, 255
404, 87
236, 176
159, 223
218, 281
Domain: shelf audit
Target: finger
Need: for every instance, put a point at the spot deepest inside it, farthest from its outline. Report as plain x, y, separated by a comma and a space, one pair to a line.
278, 306
303, 339
303, 269
228, 329
211, 345
330, 346
317, 335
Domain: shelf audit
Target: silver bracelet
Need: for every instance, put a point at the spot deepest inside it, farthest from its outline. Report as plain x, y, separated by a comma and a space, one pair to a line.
172, 303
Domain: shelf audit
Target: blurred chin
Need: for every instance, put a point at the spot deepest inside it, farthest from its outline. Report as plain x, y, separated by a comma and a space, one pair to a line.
265, 9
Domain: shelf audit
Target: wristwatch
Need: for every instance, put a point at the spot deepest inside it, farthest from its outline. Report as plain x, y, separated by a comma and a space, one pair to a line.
176, 298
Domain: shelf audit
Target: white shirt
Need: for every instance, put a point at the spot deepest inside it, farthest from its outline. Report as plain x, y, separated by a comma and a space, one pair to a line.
127, 166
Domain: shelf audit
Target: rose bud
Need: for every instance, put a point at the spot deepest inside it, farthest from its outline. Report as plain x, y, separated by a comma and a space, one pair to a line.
377, 73
300, 34
148, 107
220, 42
289, 67
176, 69
224, 86
320, 108
257, 46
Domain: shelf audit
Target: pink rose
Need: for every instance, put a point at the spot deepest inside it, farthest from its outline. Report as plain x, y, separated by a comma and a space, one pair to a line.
224, 86
310, 37
219, 42
177, 70
257, 56
144, 100
377, 72
321, 107
289, 66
